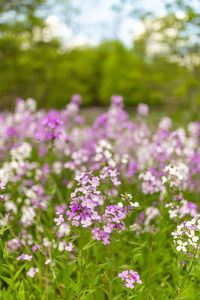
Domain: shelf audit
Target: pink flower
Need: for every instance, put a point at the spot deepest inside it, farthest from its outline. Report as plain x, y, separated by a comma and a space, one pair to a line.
70, 247
86, 223
143, 109
59, 220
24, 257
130, 277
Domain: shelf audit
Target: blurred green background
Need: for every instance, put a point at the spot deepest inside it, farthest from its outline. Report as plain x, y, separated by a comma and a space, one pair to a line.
159, 66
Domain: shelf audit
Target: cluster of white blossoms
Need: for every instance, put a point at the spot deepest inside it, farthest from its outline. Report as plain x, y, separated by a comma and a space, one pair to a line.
29, 105
18, 158
104, 154
186, 236
21, 153
165, 123
126, 199
176, 175
180, 209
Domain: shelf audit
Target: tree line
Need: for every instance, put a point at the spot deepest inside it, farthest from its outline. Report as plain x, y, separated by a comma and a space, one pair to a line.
44, 70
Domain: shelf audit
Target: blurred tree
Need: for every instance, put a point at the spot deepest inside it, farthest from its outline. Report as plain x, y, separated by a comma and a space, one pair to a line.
162, 68
18, 20
172, 43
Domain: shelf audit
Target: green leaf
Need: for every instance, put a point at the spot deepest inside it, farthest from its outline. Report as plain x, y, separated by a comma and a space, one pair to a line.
88, 245
4, 228
89, 292
5, 251
117, 297
21, 292
18, 272
7, 280
109, 263
73, 284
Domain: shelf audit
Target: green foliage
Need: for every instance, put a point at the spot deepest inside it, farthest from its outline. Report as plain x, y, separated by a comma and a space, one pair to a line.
33, 67
96, 282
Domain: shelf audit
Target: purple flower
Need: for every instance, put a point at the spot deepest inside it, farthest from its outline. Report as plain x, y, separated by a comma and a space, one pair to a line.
24, 257
2, 185
13, 244
35, 247
50, 127
59, 220
11, 132
76, 98
143, 109
130, 278
87, 222
70, 247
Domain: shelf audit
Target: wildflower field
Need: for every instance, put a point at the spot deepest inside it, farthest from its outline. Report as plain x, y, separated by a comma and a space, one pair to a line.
108, 210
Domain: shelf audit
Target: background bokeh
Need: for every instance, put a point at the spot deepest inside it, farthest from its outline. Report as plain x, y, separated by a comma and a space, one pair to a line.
147, 52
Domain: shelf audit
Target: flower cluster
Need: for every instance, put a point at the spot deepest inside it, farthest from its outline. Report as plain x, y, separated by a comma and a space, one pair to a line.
32, 271
84, 200
24, 257
130, 278
111, 220
143, 109
176, 176
180, 208
111, 174
186, 236
61, 178
52, 127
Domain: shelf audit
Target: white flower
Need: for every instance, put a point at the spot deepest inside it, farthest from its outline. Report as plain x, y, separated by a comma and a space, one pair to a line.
48, 261
195, 238
112, 163
188, 224
181, 246
107, 154
70, 247
135, 204
46, 242
32, 271
193, 221
61, 246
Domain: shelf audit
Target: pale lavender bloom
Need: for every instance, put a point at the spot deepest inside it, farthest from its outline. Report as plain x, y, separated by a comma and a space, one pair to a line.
86, 223
2, 185
70, 247
59, 220
32, 271
24, 257
48, 261
143, 109
13, 244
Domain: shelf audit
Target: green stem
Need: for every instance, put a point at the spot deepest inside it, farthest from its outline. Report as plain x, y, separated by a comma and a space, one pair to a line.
113, 260
80, 263
181, 284
178, 286
188, 274
50, 157
150, 265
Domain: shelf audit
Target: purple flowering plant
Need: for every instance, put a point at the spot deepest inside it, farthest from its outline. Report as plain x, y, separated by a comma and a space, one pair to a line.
81, 202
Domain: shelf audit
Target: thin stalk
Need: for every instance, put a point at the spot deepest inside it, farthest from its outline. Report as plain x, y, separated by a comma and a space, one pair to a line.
188, 274
181, 284
178, 286
80, 263
150, 265
111, 251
